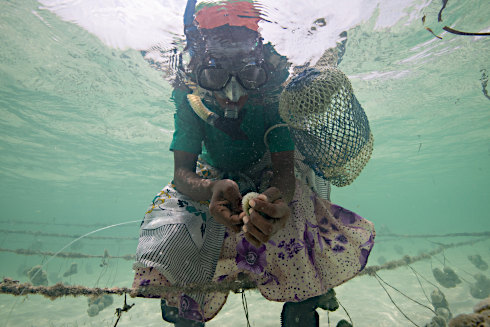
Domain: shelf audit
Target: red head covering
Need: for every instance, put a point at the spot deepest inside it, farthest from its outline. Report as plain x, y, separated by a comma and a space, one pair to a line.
232, 13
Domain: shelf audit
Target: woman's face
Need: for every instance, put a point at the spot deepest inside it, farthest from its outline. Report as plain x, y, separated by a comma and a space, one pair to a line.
230, 67
232, 96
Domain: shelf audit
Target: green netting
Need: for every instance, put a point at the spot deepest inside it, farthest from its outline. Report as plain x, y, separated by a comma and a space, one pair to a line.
327, 123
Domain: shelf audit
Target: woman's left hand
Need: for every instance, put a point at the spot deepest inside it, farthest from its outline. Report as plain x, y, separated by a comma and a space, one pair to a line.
268, 214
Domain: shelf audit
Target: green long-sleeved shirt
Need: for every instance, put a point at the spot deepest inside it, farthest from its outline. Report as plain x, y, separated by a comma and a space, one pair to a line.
194, 135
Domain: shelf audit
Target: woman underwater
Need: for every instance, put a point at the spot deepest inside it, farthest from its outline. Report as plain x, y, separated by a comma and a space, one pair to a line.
295, 245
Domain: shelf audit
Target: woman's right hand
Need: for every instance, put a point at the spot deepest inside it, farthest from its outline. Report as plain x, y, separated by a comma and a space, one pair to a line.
225, 204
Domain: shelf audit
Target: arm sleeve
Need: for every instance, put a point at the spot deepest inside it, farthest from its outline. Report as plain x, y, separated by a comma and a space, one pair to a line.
189, 132
279, 138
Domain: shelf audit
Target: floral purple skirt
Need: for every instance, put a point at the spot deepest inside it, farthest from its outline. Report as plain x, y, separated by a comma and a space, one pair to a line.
322, 246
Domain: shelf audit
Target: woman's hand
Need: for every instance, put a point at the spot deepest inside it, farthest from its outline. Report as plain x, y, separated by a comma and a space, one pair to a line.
268, 214
225, 204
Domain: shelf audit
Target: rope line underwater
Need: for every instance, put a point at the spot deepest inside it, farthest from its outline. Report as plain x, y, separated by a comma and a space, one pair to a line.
71, 255
38, 233
393, 302
129, 257
406, 260
52, 223
14, 287
479, 234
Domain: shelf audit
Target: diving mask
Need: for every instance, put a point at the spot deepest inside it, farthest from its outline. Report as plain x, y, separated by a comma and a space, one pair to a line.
231, 81
216, 77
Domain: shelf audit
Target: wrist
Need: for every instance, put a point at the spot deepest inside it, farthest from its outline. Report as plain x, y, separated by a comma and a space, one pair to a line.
211, 185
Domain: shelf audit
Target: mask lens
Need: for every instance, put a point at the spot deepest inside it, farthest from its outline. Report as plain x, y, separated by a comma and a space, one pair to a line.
213, 79
252, 77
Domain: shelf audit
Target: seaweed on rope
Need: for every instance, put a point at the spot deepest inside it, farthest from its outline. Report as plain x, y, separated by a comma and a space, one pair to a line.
13, 287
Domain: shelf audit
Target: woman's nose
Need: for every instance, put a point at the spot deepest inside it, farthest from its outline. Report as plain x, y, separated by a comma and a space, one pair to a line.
233, 90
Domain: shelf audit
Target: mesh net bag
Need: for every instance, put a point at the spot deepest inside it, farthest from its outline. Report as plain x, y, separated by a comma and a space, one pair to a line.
327, 123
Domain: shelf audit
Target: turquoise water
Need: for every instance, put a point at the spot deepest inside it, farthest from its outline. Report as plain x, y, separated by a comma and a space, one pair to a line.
85, 129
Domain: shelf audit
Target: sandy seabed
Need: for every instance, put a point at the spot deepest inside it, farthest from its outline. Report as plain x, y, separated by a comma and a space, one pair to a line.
363, 297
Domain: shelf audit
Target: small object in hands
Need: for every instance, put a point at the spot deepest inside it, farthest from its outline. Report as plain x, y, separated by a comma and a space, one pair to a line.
245, 201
